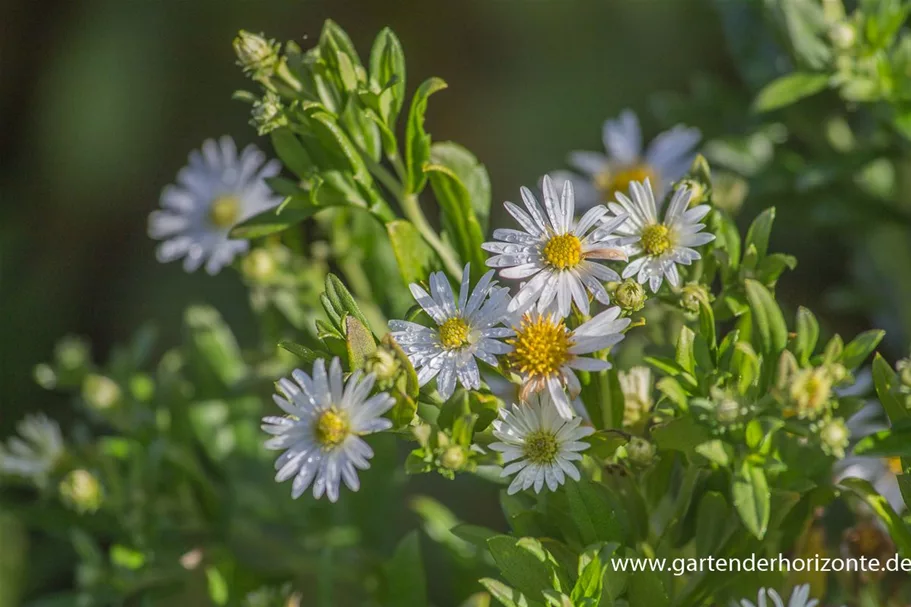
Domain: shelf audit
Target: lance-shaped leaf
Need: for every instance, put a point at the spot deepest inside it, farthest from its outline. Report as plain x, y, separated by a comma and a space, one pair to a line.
470, 172
359, 341
767, 318
459, 219
417, 141
416, 260
789, 89
752, 498
387, 75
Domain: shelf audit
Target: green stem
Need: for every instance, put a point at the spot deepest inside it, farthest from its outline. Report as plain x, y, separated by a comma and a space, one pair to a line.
416, 216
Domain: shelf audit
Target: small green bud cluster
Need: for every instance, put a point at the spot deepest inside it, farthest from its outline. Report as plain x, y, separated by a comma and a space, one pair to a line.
833, 435
81, 491
629, 295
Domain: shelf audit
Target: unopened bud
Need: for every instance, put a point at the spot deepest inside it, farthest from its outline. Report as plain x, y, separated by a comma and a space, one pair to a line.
81, 491
834, 436
629, 295
255, 54
697, 191
385, 365
100, 392
691, 295
453, 458
259, 265
843, 35
268, 114
640, 451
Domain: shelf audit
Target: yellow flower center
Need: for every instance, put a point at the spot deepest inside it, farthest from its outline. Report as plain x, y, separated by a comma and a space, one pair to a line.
563, 251
332, 428
895, 465
540, 347
610, 182
655, 239
224, 211
541, 447
454, 333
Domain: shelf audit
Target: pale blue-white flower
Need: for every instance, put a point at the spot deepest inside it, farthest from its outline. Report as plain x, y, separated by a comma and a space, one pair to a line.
466, 329
556, 254
665, 160
800, 597
545, 353
217, 190
321, 433
35, 451
661, 238
538, 445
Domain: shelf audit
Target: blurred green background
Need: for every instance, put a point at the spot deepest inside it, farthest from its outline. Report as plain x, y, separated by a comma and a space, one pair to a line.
101, 101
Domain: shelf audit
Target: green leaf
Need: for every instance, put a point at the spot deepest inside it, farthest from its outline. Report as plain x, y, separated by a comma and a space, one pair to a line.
524, 563
13, 559
897, 529
342, 301
684, 354
886, 382
895, 441
417, 141
594, 513
806, 336
218, 586
470, 172
509, 597
360, 343
681, 434
752, 498
407, 586
767, 318
758, 234
327, 129
212, 351
291, 152
416, 260
590, 583
859, 348
789, 89
303, 352
711, 515
646, 587
459, 220
387, 74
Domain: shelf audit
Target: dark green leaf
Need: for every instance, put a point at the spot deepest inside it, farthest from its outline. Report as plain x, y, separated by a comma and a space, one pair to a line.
789, 89
751, 498
859, 348
416, 260
417, 141
470, 172
407, 586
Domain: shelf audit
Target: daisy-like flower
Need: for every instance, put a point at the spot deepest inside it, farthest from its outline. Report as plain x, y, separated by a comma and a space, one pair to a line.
545, 352
538, 445
660, 243
555, 253
217, 190
35, 452
321, 434
466, 329
666, 159
800, 597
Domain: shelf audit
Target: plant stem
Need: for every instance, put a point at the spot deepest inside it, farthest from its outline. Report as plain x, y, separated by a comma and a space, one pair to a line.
416, 216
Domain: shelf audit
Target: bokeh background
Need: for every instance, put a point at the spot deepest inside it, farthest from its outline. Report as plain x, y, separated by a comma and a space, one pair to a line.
102, 100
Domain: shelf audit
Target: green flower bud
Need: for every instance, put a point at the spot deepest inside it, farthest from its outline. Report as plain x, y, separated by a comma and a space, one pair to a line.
903, 368
255, 54
259, 265
385, 365
72, 353
810, 392
81, 491
834, 436
100, 392
728, 411
453, 458
641, 452
691, 295
843, 35
629, 295
698, 191
268, 114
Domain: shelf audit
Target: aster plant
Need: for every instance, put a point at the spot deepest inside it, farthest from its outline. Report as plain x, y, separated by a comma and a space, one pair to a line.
613, 362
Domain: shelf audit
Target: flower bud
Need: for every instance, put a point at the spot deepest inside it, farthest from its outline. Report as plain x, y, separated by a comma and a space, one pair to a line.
268, 114
629, 295
259, 265
72, 353
453, 458
385, 365
641, 452
255, 54
728, 411
636, 385
834, 436
100, 392
810, 392
903, 367
843, 35
698, 191
81, 491
691, 295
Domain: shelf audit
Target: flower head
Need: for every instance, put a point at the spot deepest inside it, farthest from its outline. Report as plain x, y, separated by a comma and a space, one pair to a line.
255, 54
321, 434
636, 385
34, 453
538, 445
664, 161
215, 191
663, 243
545, 352
466, 329
555, 253
800, 597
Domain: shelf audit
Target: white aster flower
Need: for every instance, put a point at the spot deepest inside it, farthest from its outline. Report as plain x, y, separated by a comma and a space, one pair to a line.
217, 190
538, 445
466, 329
666, 159
660, 243
800, 597
555, 252
322, 433
545, 352
35, 452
